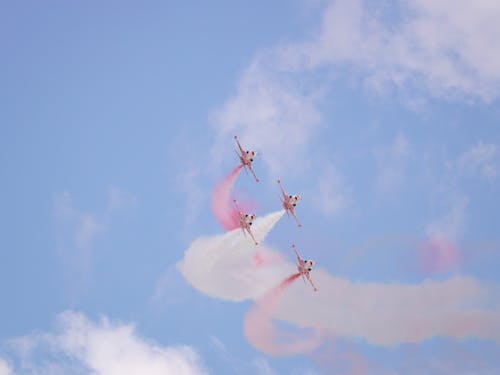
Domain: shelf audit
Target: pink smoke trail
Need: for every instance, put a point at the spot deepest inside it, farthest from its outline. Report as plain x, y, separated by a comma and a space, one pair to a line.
226, 214
264, 336
439, 255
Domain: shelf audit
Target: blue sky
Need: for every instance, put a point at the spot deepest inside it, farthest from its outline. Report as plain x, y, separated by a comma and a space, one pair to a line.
118, 121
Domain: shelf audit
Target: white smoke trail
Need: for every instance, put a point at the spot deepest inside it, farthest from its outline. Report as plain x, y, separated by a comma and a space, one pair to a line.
223, 266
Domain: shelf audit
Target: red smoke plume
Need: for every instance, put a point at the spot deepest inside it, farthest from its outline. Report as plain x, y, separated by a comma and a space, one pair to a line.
222, 207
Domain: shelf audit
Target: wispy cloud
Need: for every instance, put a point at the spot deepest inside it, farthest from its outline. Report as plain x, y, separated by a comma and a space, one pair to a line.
481, 159
451, 224
80, 345
444, 48
188, 181
168, 287
391, 163
262, 367
224, 353
276, 112
445, 230
259, 365
271, 112
5, 368
420, 48
78, 230
330, 193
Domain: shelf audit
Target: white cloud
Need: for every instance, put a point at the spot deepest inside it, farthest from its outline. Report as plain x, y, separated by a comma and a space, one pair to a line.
271, 114
81, 346
442, 48
276, 114
5, 369
447, 48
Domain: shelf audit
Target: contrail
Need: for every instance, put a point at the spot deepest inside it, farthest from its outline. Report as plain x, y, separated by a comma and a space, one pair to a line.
264, 336
223, 265
225, 213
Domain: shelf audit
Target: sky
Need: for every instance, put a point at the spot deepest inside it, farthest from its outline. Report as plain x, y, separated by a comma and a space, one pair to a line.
117, 139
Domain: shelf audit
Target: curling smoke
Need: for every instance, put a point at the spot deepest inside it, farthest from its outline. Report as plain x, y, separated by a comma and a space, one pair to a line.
223, 266
264, 336
380, 313
225, 213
